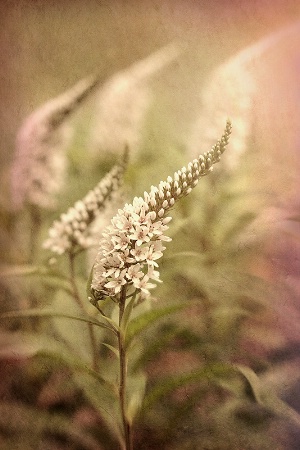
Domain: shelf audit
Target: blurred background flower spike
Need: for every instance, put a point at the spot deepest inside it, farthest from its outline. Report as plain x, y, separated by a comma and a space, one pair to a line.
39, 165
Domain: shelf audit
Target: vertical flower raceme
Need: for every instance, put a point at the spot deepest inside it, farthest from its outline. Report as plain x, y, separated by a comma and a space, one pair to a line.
73, 231
132, 244
124, 101
40, 161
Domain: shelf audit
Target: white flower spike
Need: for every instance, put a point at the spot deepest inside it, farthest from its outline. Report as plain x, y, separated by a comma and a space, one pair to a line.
133, 242
73, 231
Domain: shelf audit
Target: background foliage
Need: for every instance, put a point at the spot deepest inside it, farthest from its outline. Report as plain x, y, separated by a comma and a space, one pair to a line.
233, 261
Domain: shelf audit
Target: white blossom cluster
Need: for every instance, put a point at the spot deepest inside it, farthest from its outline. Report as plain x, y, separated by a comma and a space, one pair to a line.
72, 230
39, 165
133, 242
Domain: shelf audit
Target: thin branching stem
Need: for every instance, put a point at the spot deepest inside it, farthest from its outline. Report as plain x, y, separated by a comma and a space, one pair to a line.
81, 305
123, 373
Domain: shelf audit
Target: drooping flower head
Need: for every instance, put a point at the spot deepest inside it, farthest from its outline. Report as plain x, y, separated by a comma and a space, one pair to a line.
73, 230
134, 241
40, 160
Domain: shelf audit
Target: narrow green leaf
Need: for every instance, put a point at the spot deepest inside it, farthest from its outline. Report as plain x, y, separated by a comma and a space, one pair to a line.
252, 380
36, 312
89, 283
47, 275
26, 270
112, 348
101, 393
69, 331
136, 385
137, 325
105, 401
111, 322
18, 344
77, 364
267, 398
127, 312
167, 385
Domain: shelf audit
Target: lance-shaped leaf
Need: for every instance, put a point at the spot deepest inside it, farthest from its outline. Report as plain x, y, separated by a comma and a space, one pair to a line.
266, 397
143, 321
36, 312
103, 400
47, 275
136, 385
166, 385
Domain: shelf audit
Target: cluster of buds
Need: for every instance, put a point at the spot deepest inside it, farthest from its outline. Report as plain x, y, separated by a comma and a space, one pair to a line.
72, 231
133, 242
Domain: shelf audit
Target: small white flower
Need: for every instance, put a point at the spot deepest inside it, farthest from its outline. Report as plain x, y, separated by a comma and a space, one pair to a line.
139, 253
144, 285
153, 274
124, 258
122, 223
121, 241
134, 273
140, 234
154, 253
116, 284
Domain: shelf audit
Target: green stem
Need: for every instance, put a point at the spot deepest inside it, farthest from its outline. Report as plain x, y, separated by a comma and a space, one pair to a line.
83, 309
35, 227
123, 373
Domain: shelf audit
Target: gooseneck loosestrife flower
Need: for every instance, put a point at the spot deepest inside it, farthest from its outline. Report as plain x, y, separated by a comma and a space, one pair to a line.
72, 231
132, 244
